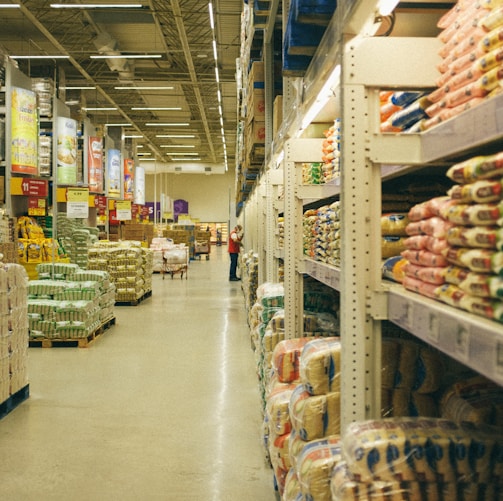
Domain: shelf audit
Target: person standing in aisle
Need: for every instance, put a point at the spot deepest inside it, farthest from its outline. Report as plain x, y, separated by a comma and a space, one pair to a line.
235, 243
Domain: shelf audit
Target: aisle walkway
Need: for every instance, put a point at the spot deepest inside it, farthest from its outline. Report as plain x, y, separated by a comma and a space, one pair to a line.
164, 406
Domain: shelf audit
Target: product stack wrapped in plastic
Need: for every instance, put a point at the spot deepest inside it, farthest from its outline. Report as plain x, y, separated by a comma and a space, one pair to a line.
410, 378
68, 302
393, 234
128, 264
472, 59
158, 246
44, 88
418, 458
331, 152
13, 330
314, 411
76, 238
312, 173
321, 233
455, 250
248, 269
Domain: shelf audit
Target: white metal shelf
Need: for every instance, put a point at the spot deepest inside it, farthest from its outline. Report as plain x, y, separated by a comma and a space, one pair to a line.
313, 192
323, 272
472, 340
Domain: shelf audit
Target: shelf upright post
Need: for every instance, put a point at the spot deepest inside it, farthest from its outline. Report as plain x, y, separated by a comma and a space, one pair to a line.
361, 202
293, 285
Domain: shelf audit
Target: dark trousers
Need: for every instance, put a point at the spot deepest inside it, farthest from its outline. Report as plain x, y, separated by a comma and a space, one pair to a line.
234, 264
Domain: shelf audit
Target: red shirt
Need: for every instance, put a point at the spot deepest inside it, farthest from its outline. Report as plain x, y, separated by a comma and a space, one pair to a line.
234, 243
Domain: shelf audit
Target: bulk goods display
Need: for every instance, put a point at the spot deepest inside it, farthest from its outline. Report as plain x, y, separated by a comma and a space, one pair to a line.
391, 196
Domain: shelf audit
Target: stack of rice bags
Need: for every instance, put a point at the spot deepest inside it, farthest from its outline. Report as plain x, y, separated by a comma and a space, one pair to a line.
128, 264
323, 242
455, 249
331, 154
13, 330
56, 318
418, 458
76, 238
393, 234
249, 277
410, 377
472, 59
314, 410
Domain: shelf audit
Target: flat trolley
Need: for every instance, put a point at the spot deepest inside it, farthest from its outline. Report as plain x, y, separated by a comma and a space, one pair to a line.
202, 247
175, 260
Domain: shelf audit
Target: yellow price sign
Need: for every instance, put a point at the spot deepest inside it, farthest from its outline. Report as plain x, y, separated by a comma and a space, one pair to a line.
77, 195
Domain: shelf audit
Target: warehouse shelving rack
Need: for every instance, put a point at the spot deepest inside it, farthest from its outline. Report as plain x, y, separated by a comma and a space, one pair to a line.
369, 64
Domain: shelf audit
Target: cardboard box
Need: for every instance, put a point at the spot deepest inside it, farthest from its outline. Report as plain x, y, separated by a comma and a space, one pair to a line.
256, 132
256, 105
256, 75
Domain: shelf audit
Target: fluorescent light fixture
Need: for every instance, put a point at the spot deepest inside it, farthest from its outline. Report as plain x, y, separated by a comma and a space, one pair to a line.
144, 154
181, 159
41, 57
118, 125
167, 124
212, 19
222, 131
76, 87
126, 56
386, 7
217, 76
177, 145
133, 136
151, 87
177, 136
148, 159
186, 154
155, 108
215, 49
221, 121
219, 96
9, 6
96, 5
220, 110
100, 109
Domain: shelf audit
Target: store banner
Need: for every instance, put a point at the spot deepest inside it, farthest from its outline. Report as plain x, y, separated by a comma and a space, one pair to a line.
67, 151
128, 179
95, 164
139, 186
24, 132
114, 176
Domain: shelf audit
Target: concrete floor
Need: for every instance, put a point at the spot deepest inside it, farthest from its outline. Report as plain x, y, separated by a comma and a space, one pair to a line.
163, 406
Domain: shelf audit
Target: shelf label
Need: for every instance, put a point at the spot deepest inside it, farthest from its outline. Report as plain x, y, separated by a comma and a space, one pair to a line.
123, 210
29, 187
462, 342
36, 206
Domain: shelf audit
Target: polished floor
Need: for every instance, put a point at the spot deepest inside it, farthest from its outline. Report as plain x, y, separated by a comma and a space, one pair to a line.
163, 406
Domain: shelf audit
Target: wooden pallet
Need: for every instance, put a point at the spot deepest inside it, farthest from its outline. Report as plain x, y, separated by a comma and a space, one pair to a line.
72, 343
134, 302
14, 400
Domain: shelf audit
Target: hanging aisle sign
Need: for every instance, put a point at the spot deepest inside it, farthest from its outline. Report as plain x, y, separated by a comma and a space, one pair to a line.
128, 179
123, 210
114, 173
95, 164
77, 203
24, 132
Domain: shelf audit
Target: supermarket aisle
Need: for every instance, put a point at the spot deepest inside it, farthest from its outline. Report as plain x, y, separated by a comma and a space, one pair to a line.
164, 406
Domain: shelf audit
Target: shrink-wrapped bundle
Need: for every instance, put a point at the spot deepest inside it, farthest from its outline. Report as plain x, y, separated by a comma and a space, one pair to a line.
286, 357
314, 416
320, 365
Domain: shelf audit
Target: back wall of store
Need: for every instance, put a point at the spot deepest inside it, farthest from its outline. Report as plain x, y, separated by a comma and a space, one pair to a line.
208, 196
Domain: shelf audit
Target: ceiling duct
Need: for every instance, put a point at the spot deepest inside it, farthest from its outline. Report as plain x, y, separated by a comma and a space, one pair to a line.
106, 45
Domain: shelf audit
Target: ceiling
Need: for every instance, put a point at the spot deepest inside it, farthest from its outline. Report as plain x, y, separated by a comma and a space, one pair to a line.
177, 30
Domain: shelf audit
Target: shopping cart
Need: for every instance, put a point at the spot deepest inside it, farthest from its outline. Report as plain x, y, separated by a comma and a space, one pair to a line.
175, 260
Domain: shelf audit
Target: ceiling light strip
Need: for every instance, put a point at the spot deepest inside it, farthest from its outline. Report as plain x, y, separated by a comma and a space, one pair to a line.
96, 5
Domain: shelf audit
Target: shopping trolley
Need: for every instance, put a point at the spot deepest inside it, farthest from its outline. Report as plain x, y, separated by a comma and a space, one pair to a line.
175, 260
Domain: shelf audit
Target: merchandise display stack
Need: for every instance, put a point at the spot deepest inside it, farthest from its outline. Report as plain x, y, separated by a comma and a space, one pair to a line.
8, 238
249, 277
321, 234
76, 238
158, 247
13, 336
129, 265
68, 303
454, 250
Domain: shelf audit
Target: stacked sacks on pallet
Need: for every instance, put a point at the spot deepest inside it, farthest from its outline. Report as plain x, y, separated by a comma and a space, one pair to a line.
249, 278
418, 458
13, 330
